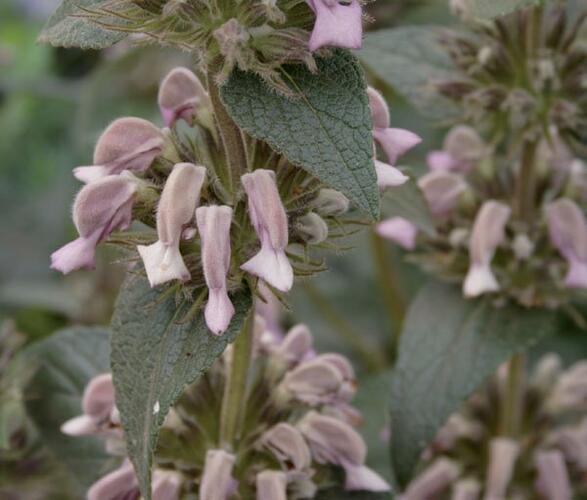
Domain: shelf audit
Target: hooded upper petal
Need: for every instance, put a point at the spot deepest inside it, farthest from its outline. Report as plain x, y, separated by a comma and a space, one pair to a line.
400, 231
180, 94
338, 24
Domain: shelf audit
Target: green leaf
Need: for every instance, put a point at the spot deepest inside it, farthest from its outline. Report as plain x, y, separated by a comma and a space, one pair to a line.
63, 364
65, 29
408, 202
325, 130
490, 9
339, 494
448, 348
154, 356
410, 60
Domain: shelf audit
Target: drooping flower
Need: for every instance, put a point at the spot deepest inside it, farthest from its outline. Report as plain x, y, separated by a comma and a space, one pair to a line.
270, 222
338, 24
553, 478
180, 95
175, 213
488, 233
271, 485
217, 481
394, 141
400, 231
503, 453
462, 149
568, 232
570, 391
127, 144
214, 226
288, 445
335, 442
99, 209
442, 191
434, 481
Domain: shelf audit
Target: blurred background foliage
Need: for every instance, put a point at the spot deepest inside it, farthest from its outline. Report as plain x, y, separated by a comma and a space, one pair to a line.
53, 104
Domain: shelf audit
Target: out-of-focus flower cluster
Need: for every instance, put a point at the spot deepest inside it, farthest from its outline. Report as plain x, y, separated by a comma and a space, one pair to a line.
253, 35
216, 228
297, 436
546, 458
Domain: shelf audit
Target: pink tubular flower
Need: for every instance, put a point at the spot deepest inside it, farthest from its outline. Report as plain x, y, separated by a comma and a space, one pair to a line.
270, 222
214, 227
335, 442
271, 485
503, 453
127, 144
338, 24
288, 445
98, 409
553, 478
488, 233
442, 191
394, 141
217, 481
175, 213
99, 209
180, 94
568, 232
434, 481
462, 149
388, 175
400, 231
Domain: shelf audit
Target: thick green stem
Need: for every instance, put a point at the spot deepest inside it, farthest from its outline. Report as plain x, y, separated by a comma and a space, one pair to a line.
235, 389
232, 139
526, 183
512, 407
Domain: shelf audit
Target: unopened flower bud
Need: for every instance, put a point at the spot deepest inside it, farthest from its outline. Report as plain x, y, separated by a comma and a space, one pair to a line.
176, 212
180, 95
166, 485
330, 202
388, 175
100, 208
462, 9
547, 372
231, 37
488, 233
127, 144
311, 228
120, 483
335, 442
503, 453
338, 24
466, 489
442, 191
217, 481
465, 145
434, 481
288, 445
568, 232
295, 346
271, 485
313, 382
214, 227
522, 246
270, 222
570, 391
553, 478
400, 231
458, 237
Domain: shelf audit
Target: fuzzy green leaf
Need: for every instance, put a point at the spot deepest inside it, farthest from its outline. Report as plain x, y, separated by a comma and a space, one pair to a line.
411, 61
63, 364
325, 130
490, 9
407, 201
154, 356
65, 29
448, 348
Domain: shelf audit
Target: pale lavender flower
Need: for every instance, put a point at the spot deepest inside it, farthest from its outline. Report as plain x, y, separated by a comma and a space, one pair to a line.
442, 161
180, 95
99, 209
398, 230
388, 175
313, 382
119, 484
463, 148
288, 445
553, 478
270, 222
434, 481
503, 453
488, 233
335, 442
271, 485
127, 144
442, 191
98, 409
568, 232
217, 481
573, 443
395, 142
175, 213
466, 489
214, 226
295, 346
348, 387
338, 24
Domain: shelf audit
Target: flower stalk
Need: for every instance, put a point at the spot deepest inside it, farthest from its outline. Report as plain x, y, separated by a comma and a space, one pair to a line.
514, 388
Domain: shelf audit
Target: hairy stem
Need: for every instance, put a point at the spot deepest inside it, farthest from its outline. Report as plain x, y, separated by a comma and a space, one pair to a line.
526, 183
235, 388
232, 139
511, 417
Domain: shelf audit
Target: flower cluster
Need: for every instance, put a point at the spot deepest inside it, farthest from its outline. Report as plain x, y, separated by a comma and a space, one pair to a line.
253, 35
205, 243
297, 435
546, 458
